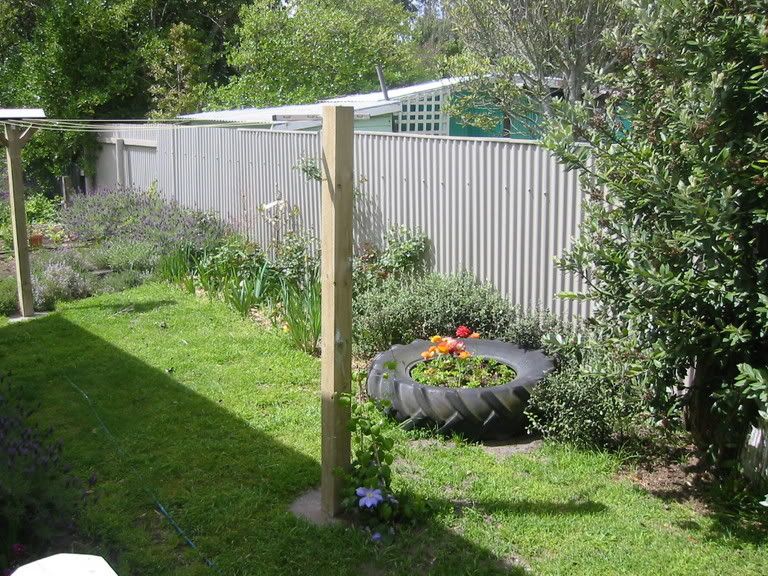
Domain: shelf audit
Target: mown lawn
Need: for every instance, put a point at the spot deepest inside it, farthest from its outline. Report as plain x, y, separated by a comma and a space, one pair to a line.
218, 419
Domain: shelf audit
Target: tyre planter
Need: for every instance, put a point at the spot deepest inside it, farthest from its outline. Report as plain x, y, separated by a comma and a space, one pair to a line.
493, 413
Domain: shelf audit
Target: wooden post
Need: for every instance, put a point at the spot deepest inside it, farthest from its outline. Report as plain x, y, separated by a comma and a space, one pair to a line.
336, 272
14, 140
120, 160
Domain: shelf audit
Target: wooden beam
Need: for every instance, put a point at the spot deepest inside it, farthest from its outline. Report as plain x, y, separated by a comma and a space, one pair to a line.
19, 220
336, 272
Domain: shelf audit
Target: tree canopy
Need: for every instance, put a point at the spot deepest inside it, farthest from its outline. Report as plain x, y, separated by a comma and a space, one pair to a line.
313, 49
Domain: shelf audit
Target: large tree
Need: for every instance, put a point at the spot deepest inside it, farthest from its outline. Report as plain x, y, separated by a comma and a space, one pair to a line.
311, 49
107, 59
521, 53
674, 247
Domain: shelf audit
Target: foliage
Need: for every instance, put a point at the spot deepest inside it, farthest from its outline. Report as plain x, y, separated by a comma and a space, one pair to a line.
675, 243
456, 372
219, 266
119, 255
369, 496
120, 280
594, 400
95, 59
179, 64
58, 281
404, 254
139, 216
302, 311
296, 256
309, 50
402, 310
9, 302
255, 289
40, 210
514, 51
39, 497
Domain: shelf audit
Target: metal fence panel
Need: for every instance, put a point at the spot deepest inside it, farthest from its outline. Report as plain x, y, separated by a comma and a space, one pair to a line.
501, 209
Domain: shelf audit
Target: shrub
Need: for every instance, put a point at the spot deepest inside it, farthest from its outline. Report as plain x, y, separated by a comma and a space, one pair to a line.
122, 280
121, 255
134, 215
38, 496
41, 210
58, 280
296, 255
593, 401
401, 310
253, 290
674, 244
9, 302
404, 254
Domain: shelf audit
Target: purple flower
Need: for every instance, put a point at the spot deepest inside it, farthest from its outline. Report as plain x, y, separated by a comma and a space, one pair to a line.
18, 550
369, 497
376, 537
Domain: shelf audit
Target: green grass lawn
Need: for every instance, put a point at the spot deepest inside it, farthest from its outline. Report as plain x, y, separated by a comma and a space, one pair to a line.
219, 420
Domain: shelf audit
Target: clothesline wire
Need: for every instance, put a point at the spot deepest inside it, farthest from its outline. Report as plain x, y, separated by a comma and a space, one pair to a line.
106, 126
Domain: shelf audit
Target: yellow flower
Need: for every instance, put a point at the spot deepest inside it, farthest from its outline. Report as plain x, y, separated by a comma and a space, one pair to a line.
464, 354
475, 335
286, 328
436, 339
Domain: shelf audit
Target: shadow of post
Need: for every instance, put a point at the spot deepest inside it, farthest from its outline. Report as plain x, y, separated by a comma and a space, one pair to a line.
227, 483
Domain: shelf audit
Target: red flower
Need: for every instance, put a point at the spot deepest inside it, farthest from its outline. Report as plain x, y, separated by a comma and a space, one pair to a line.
463, 332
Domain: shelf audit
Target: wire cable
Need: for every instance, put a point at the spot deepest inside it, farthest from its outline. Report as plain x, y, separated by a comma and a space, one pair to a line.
153, 496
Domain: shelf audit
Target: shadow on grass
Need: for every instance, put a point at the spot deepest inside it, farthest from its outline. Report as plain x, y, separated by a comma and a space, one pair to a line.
680, 474
227, 484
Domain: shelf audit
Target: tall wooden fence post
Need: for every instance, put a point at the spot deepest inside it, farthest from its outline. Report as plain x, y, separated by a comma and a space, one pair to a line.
336, 272
14, 140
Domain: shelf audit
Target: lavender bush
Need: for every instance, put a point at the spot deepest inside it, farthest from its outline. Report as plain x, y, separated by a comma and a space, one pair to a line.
39, 497
139, 216
59, 280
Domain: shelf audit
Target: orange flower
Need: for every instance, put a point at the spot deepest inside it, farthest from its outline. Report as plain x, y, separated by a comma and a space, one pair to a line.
464, 354
444, 348
428, 355
475, 335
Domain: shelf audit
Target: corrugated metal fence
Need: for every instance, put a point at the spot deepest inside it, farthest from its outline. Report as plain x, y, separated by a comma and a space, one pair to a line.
501, 209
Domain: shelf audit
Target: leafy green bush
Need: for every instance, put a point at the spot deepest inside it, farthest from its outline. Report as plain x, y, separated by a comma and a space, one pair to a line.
401, 310
592, 401
404, 253
9, 302
38, 495
253, 290
296, 255
40, 209
675, 240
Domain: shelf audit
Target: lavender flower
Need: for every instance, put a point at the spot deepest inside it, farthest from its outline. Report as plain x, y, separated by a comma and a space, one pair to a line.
376, 537
369, 497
